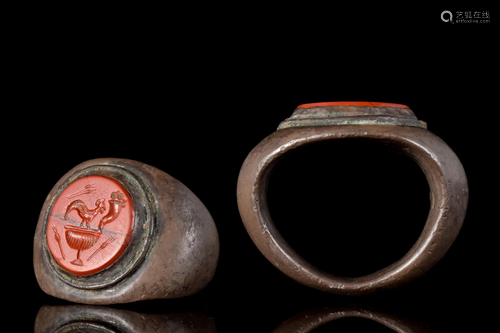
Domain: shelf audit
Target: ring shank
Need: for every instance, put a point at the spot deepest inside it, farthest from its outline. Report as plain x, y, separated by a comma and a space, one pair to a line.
443, 171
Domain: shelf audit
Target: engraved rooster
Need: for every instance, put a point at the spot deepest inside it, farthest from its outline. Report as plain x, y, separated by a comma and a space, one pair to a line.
87, 215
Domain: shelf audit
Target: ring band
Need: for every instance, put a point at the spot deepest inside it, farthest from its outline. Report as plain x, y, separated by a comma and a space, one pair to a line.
393, 124
118, 231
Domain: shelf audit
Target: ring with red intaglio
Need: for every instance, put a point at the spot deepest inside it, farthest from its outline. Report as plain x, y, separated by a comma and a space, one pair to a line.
116, 231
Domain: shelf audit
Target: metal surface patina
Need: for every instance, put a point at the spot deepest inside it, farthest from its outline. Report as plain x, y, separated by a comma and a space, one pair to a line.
352, 113
118, 231
388, 123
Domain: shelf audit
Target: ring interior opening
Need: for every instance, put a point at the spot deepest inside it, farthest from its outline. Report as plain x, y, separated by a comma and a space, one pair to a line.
349, 207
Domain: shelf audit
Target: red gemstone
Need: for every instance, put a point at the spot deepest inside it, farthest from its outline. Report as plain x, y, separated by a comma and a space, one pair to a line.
90, 225
372, 104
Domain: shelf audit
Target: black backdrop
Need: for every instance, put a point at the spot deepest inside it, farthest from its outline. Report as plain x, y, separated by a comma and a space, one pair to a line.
193, 97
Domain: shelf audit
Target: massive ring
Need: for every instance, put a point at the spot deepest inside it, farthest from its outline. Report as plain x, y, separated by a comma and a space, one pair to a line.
392, 124
118, 231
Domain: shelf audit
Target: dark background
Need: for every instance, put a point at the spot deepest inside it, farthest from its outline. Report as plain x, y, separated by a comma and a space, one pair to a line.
192, 92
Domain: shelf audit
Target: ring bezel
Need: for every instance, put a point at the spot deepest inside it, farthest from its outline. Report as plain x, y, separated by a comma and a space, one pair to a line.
143, 228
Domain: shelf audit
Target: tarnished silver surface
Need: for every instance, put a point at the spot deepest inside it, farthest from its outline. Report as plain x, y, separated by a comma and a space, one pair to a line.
332, 115
174, 246
442, 168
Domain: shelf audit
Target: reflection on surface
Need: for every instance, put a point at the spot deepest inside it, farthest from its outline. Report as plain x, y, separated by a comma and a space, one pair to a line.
354, 317
309, 320
82, 318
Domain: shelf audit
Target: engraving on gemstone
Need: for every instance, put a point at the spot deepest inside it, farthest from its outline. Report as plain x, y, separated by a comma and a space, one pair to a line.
58, 240
81, 232
87, 189
87, 215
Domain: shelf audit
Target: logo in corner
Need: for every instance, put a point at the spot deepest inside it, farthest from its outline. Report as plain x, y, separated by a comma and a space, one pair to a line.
447, 16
